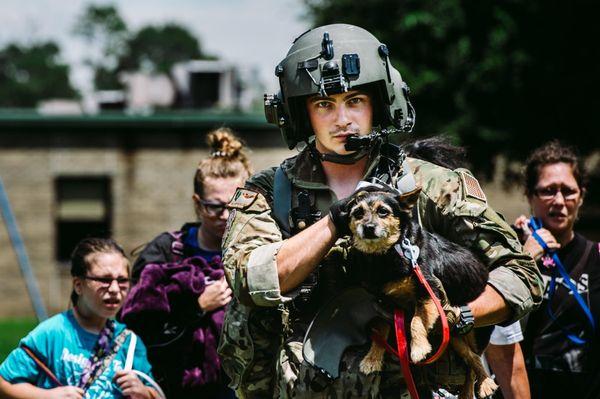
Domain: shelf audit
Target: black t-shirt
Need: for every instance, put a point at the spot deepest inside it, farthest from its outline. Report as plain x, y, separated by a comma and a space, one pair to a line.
557, 366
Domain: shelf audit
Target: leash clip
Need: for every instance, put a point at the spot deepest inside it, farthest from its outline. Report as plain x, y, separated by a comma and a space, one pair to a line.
411, 252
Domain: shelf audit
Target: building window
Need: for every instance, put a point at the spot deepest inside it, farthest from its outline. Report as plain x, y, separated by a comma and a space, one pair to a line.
205, 89
83, 209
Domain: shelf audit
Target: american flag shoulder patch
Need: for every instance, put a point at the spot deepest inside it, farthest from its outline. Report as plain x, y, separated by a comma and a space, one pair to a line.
472, 187
242, 199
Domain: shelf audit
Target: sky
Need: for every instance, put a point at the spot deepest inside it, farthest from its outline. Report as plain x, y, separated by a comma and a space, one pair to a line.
247, 33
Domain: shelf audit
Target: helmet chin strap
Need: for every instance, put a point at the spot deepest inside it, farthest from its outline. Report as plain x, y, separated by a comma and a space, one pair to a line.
346, 159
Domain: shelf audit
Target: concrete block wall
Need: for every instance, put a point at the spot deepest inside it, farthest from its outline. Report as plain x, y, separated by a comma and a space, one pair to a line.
151, 192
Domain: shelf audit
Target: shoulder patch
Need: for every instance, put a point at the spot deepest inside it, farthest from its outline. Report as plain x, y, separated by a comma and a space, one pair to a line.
472, 187
242, 199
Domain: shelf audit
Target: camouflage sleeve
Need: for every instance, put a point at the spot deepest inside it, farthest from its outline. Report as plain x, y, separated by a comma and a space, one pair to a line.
453, 204
251, 243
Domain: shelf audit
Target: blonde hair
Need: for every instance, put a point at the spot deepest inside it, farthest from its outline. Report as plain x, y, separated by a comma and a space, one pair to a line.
227, 159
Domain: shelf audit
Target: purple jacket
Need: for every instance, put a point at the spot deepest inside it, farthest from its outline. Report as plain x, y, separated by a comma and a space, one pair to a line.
163, 309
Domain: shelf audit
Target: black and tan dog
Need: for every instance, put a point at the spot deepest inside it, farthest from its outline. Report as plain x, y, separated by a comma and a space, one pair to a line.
380, 220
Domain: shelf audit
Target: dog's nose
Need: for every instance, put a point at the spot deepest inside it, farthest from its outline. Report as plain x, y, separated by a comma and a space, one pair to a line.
369, 231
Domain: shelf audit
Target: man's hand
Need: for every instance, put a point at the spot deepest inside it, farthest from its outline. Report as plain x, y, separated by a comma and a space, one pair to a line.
68, 392
215, 296
131, 386
339, 213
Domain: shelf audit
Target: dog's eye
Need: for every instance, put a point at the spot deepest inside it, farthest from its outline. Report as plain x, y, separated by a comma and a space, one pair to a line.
358, 213
382, 212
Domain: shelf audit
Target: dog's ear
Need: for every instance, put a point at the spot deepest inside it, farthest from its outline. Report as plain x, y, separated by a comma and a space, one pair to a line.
408, 200
354, 199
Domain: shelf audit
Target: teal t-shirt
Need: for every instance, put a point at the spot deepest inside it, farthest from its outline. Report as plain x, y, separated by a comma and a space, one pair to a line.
62, 345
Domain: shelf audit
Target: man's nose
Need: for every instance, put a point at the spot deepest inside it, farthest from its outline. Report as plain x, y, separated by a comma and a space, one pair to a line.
342, 119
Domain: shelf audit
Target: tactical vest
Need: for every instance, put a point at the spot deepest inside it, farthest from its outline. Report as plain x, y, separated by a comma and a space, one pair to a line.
249, 352
294, 209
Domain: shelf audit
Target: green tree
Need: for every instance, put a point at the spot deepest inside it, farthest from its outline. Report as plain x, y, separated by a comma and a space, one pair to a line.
500, 76
106, 35
32, 73
114, 49
156, 49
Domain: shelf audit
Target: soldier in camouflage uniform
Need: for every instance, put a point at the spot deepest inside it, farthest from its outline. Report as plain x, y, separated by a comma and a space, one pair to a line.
337, 83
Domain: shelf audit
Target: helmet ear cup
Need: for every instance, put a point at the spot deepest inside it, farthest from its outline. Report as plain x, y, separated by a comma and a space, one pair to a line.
299, 129
277, 113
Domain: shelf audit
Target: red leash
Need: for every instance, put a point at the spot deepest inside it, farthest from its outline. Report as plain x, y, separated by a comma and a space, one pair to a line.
443, 318
403, 353
411, 252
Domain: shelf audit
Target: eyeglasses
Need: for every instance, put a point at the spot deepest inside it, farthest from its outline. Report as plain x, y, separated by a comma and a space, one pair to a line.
548, 193
214, 208
106, 282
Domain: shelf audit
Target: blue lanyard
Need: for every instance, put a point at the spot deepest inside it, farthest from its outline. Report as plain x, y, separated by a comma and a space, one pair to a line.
535, 225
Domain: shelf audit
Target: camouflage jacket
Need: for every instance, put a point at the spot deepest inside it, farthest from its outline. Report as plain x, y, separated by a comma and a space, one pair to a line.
451, 204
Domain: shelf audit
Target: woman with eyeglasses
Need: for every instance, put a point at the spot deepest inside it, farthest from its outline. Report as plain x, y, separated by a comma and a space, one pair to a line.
82, 352
559, 367
177, 304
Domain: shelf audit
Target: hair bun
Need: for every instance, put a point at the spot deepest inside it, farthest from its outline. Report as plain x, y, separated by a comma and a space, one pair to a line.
223, 143
227, 159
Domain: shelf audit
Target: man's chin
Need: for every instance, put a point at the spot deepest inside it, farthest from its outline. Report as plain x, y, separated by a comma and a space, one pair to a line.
337, 150
343, 151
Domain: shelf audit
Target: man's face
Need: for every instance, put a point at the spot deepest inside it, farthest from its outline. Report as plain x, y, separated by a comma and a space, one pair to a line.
336, 117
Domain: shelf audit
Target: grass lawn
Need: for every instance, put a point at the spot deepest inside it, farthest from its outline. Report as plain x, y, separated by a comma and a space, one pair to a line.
11, 332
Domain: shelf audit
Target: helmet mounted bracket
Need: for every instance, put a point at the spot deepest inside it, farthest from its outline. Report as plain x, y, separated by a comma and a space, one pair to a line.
333, 79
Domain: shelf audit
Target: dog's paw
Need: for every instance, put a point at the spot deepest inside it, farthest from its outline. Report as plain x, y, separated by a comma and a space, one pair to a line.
486, 388
370, 365
419, 352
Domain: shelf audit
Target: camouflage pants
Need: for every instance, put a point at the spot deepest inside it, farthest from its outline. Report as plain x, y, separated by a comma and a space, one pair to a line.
296, 379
